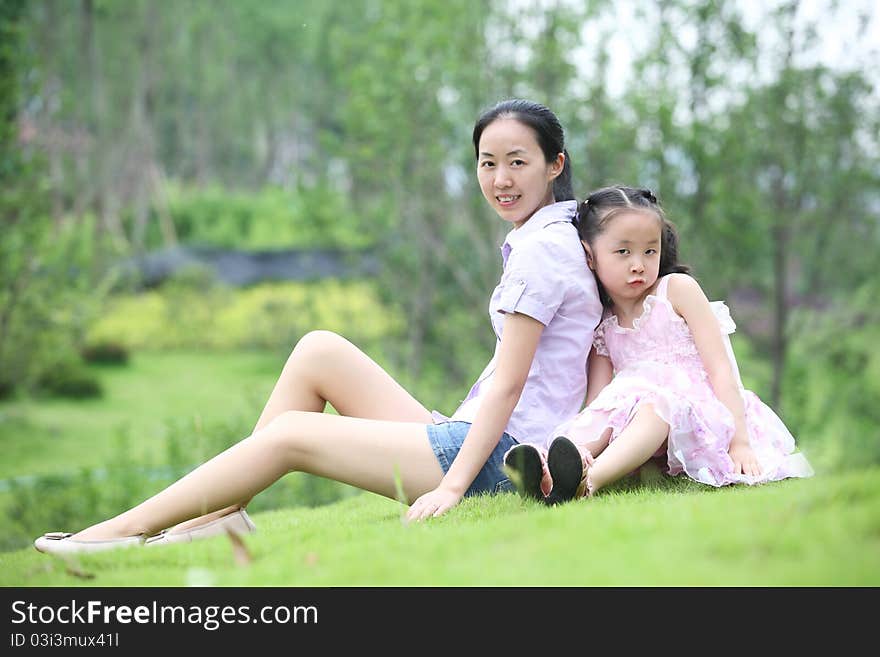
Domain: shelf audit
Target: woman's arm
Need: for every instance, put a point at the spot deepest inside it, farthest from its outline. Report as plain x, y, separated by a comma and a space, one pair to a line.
690, 302
599, 374
519, 341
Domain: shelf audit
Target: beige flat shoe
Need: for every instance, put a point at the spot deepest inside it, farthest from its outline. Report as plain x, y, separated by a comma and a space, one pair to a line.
237, 522
62, 543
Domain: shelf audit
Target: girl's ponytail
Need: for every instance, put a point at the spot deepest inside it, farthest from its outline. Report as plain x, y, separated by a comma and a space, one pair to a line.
669, 263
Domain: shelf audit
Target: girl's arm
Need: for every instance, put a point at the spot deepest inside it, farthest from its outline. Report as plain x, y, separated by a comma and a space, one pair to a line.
690, 302
599, 374
519, 341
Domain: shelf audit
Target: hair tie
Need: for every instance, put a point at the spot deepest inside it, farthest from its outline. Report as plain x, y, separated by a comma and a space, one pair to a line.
648, 194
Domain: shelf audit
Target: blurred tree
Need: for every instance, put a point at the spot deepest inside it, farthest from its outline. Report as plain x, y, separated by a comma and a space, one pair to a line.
802, 187
22, 218
764, 164
25, 221
683, 86
399, 63
372, 103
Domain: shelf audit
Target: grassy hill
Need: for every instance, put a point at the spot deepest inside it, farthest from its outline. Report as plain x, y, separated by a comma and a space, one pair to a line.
823, 531
647, 530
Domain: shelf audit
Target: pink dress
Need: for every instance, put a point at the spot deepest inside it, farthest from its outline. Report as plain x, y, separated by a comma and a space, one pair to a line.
656, 362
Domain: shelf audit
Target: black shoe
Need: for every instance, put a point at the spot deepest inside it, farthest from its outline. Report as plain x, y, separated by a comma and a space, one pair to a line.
523, 465
567, 470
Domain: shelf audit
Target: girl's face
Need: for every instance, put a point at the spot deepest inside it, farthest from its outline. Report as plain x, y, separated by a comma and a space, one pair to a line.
626, 255
514, 176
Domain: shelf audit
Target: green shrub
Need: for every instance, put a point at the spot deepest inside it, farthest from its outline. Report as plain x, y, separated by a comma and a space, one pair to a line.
268, 315
105, 353
832, 383
49, 293
272, 218
69, 379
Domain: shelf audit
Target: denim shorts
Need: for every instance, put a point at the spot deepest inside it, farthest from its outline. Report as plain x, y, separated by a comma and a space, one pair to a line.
446, 440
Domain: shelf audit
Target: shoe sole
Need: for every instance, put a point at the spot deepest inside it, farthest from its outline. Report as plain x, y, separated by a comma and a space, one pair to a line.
237, 522
54, 543
523, 465
566, 468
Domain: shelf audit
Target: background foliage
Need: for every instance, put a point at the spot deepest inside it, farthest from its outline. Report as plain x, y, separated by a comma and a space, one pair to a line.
263, 124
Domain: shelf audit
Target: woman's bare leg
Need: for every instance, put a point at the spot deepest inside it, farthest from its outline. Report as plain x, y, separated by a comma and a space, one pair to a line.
325, 367
369, 454
633, 447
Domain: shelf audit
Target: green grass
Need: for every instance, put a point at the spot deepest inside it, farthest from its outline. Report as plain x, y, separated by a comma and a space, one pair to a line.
47, 436
73, 463
823, 531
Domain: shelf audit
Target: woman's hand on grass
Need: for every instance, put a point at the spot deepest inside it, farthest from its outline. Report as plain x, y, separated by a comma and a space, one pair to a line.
432, 504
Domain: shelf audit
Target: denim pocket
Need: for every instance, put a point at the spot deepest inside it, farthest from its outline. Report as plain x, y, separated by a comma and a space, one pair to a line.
504, 486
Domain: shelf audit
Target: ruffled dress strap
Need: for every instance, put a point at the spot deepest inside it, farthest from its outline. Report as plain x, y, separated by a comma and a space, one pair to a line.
719, 308
599, 336
725, 323
722, 314
661, 288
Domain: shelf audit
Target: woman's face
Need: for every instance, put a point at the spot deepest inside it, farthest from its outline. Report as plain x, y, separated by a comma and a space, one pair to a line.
514, 176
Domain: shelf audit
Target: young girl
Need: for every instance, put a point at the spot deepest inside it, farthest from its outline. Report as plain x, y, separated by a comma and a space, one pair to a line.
543, 313
662, 377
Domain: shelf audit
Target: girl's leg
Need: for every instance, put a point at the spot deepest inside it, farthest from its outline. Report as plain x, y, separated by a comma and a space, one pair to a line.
633, 447
590, 432
369, 454
325, 367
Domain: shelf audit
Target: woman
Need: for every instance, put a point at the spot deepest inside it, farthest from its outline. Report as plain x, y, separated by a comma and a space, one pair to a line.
543, 312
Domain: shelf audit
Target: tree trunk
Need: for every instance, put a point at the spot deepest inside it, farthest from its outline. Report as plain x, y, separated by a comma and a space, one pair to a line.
142, 117
163, 207
779, 345
784, 208
95, 160
53, 135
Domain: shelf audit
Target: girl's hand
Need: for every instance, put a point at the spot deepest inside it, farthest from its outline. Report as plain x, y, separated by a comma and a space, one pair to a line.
744, 460
432, 504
